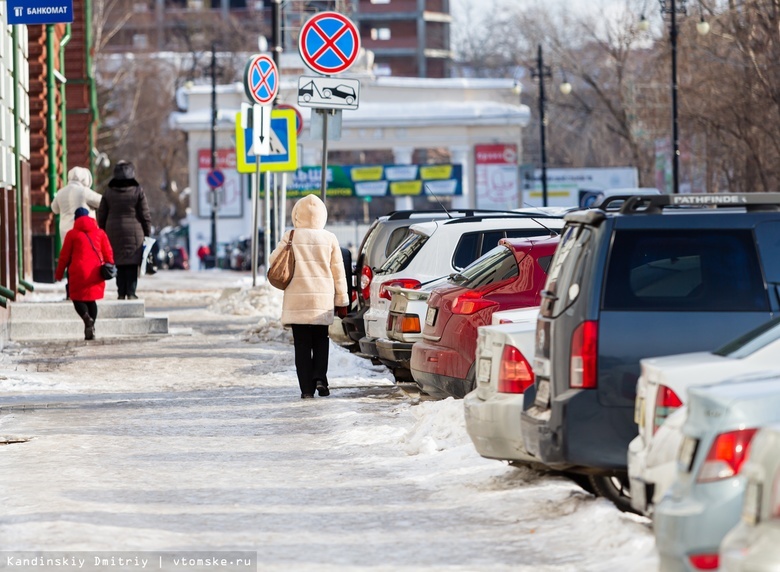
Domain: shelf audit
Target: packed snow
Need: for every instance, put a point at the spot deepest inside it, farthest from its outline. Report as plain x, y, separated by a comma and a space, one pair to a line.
200, 441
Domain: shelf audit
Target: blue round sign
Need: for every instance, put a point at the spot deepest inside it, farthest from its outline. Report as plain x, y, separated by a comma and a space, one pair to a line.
329, 43
215, 178
261, 79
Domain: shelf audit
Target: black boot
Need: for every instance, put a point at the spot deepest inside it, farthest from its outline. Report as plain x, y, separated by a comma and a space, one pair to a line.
89, 327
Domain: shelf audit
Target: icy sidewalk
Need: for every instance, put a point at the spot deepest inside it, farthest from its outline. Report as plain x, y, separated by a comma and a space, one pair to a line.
199, 441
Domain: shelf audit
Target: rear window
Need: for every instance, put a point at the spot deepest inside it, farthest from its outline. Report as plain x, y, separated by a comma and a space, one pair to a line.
496, 266
687, 270
396, 238
401, 257
566, 270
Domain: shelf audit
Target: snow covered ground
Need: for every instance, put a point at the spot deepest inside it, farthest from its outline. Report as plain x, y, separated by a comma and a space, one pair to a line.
199, 441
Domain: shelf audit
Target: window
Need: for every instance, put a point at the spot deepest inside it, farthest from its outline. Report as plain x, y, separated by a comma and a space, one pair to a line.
404, 254
396, 237
684, 270
566, 270
497, 265
380, 34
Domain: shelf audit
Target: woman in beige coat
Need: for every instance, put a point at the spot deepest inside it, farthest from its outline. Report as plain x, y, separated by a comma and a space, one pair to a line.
318, 286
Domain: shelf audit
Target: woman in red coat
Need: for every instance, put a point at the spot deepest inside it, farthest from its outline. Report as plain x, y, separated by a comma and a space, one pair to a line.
84, 251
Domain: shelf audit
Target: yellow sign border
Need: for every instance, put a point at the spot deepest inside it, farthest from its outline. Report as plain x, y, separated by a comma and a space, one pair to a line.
244, 166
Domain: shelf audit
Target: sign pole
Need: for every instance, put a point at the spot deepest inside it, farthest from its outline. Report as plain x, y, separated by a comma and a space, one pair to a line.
324, 183
283, 204
255, 201
267, 231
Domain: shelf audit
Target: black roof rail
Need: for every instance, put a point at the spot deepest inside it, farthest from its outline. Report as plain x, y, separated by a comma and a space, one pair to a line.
406, 214
653, 204
608, 201
499, 215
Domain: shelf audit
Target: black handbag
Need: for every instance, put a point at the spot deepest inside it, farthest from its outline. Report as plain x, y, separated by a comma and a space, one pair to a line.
107, 269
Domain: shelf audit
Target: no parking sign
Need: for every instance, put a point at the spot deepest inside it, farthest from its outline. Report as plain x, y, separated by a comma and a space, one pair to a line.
329, 43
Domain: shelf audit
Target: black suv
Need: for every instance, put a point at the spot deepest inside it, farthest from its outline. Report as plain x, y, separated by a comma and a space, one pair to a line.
663, 275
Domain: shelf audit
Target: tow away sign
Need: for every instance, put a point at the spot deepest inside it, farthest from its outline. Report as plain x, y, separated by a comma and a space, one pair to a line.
328, 92
40, 11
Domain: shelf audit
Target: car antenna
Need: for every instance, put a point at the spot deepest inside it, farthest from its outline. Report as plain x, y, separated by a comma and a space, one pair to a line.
430, 192
548, 229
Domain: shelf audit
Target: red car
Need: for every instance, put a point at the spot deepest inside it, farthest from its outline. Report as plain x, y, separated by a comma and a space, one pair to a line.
510, 276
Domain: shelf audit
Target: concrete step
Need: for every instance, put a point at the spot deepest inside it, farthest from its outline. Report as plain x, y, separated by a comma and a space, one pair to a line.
63, 310
74, 328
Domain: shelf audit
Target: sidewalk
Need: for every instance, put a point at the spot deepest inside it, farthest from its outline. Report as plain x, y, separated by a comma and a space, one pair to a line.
199, 441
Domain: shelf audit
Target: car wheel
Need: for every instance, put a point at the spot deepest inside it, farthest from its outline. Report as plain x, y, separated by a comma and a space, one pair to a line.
326, 93
350, 100
614, 488
583, 481
307, 98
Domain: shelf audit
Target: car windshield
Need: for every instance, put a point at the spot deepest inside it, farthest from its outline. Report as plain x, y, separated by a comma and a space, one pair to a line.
752, 341
495, 266
400, 259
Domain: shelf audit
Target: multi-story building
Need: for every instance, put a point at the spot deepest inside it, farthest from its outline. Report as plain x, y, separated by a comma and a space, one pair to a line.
409, 38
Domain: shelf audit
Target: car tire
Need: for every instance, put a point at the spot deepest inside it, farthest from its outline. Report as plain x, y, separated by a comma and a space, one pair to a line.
583, 481
614, 488
350, 100
326, 93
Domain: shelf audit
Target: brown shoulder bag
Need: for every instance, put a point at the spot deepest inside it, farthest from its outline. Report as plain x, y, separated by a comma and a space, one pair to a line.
283, 267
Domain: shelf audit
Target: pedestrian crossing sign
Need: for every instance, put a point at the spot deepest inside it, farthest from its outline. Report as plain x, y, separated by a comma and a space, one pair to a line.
284, 145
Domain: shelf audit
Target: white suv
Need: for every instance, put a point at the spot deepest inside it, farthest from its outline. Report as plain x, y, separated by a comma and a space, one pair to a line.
439, 248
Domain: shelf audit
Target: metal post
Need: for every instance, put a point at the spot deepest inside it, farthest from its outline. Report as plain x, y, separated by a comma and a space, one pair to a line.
255, 201
276, 31
267, 224
675, 126
214, 192
542, 121
324, 183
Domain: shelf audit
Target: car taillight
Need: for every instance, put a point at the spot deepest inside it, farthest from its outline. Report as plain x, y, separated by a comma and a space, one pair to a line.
584, 353
704, 561
514, 373
402, 282
409, 324
365, 282
666, 401
471, 302
726, 455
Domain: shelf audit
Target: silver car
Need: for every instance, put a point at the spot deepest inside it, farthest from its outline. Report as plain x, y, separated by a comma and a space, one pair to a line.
705, 500
754, 544
492, 410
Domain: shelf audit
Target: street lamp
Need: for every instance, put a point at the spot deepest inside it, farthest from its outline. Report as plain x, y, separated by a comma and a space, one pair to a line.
673, 8
540, 73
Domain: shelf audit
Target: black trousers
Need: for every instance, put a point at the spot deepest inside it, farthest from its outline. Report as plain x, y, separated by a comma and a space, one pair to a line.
126, 279
311, 355
86, 308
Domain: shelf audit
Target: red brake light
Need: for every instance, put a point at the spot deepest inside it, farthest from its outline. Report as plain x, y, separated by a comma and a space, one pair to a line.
402, 282
666, 401
726, 456
365, 282
471, 302
704, 561
584, 353
514, 374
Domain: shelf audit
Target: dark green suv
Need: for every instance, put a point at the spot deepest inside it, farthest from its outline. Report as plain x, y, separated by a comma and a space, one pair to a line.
663, 275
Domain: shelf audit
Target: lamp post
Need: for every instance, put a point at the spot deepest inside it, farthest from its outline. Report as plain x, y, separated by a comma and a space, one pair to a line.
673, 8
540, 73
214, 192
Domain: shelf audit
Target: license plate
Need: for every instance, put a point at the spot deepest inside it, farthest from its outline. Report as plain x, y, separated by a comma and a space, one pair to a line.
751, 503
430, 316
687, 450
543, 394
639, 412
483, 372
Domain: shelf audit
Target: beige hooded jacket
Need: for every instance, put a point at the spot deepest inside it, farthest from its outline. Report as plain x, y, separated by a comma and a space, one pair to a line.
77, 193
319, 283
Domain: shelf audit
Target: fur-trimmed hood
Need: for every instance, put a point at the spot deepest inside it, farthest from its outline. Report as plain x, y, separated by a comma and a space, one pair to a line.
124, 176
310, 212
81, 176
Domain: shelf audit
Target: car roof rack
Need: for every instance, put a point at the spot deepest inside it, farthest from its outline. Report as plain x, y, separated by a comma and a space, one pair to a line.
654, 204
498, 215
406, 214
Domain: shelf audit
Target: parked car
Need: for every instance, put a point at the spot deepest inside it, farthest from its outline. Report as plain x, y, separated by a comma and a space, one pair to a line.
382, 238
492, 411
509, 276
663, 387
753, 545
438, 248
705, 500
404, 326
665, 274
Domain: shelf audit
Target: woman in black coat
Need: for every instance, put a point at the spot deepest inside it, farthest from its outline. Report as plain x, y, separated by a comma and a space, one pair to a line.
124, 215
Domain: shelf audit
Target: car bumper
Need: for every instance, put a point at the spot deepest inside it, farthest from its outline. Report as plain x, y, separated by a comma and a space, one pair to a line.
494, 426
394, 353
642, 488
754, 548
337, 333
695, 523
368, 348
354, 325
577, 431
427, 364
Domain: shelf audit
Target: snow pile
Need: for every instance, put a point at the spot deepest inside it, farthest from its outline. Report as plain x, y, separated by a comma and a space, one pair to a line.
261, 301
438, 426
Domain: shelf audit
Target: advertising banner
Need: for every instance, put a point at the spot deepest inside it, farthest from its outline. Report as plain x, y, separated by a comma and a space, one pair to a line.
230, 193
496, 176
